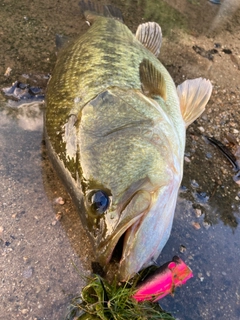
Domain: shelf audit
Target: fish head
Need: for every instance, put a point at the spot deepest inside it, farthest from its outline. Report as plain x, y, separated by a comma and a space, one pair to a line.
131, 172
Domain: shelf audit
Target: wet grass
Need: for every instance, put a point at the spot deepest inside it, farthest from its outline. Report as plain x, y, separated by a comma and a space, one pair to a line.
100, 300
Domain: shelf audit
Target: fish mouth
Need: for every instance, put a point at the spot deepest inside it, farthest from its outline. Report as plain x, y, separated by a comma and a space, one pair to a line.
116, 247
119, 251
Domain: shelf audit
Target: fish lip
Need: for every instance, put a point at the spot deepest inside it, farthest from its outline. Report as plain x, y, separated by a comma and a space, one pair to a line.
105, 256
105, 249
138, 223
135, 225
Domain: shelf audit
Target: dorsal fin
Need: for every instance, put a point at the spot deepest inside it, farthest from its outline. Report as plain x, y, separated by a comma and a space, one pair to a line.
193, 96
150, 35
92, 10
153, 82
112, 12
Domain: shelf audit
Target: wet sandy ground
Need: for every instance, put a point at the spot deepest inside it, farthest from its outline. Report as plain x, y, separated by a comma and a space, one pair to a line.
43, 249
41, 268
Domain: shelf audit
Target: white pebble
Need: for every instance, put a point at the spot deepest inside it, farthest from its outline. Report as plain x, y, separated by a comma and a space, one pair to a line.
201, 129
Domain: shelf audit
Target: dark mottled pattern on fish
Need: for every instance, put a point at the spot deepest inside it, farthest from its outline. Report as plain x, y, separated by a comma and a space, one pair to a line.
96, 61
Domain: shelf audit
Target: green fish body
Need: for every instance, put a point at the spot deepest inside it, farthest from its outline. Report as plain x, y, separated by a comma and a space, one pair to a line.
115, 129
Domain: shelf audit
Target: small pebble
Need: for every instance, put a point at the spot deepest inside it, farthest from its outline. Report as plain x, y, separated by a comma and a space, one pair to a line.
59, 200
201, 197
187, 159
201, 129
200, 276
182, 248
24, 311
194, 184
26, 259
58, 216
206, 225
196, 225
8, 72
198, 212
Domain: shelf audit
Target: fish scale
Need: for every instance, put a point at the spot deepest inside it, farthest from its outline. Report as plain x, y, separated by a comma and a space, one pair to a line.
113, 54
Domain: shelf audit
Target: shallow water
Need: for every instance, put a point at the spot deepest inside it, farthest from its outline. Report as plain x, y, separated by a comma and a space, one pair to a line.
44, 250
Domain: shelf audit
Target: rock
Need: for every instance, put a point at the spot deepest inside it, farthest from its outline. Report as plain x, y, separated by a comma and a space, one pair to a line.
59, 200
198, 212
24, 311
196, 225
201, 129
182, 248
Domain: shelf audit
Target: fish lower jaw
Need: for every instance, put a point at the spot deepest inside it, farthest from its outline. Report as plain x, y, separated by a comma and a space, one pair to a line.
125, 270
117, 253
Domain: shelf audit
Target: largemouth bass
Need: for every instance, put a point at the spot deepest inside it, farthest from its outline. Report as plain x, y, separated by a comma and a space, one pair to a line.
115, 128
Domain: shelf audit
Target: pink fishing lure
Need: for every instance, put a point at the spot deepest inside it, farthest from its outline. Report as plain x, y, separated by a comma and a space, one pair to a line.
163, 281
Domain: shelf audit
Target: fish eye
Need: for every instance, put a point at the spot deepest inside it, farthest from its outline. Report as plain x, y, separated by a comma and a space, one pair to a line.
98, 201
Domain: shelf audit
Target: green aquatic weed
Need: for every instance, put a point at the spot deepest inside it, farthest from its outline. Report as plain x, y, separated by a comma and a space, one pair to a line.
100, 300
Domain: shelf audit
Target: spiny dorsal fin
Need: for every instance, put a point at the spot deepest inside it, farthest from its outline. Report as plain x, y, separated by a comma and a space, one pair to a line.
150, 35
193, 96
112, 12
92, 10
153, 82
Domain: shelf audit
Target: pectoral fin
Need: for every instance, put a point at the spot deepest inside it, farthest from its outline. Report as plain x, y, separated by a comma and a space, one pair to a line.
193, 96
150, 35
153, 82
61, 41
